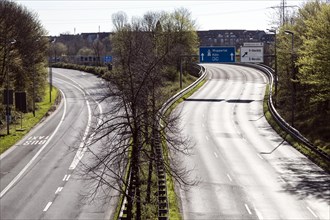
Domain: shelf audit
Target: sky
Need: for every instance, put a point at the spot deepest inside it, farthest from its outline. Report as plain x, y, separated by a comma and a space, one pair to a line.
81, 16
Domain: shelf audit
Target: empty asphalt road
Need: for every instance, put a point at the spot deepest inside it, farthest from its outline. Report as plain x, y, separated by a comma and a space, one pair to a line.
244, 169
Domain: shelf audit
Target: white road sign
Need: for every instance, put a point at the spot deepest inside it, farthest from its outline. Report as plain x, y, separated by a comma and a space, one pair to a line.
252, 54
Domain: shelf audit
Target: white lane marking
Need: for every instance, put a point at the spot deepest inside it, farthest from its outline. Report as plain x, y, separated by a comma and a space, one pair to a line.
247, 208
12, 183
258, 213
82, 147
229, 178
260, 157
215, 154
47, 206
67, 178
64, 177
207, 138
59, 189
311, 211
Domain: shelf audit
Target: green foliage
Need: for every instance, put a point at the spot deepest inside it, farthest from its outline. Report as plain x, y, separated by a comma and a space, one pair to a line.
23, 49
309, 92
28, 121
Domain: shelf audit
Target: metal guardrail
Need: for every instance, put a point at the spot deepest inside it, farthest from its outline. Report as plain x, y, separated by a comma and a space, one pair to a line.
280, 121
163, 209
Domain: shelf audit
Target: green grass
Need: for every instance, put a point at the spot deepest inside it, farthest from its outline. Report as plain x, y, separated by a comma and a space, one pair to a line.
287, 137
28, 122
174, 209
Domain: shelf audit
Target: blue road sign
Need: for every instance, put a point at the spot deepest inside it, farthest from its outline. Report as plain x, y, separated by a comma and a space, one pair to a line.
217, 54
108, 59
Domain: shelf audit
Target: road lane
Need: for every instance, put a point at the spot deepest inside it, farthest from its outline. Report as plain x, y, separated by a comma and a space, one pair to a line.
246, 170
50, 188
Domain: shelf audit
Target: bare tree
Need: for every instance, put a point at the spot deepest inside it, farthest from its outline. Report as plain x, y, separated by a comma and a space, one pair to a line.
131, 129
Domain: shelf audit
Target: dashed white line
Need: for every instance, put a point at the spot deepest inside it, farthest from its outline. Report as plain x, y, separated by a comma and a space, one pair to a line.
247, 208
229, 178
64, 178
12, 183
47, 206
67, 178
311, 211
59, 189
215, 154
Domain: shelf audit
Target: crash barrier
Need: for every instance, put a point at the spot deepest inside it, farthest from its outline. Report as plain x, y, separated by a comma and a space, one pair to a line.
280, 121
163, 208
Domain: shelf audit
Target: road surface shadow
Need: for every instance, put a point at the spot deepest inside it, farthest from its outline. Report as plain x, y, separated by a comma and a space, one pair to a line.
236, 101
304, 179
204, 100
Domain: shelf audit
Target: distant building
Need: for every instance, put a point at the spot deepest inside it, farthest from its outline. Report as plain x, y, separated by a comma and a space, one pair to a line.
232, 37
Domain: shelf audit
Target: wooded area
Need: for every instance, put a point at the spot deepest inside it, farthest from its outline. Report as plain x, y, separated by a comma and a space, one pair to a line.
23, 53
304, 87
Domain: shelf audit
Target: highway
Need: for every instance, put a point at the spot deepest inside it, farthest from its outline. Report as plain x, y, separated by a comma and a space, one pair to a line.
244, 169
40, 178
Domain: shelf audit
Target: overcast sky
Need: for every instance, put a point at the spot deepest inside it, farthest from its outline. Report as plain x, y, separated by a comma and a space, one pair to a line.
81, 16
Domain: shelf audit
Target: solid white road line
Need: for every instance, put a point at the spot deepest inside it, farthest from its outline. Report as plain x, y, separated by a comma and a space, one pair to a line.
247, 208
311, 211
47, 206
12, 183
82, 147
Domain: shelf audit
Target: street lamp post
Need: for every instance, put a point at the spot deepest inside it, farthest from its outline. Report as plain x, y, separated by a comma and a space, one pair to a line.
7, 85
51, 72
293, 77
276, 76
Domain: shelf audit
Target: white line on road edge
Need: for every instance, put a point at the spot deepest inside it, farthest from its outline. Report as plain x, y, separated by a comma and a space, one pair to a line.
229, 178
59, 189
247, 208
47, 206
311, 211
3, 192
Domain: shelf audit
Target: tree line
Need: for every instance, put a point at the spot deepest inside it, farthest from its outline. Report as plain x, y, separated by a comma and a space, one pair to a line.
304, 73
23, 52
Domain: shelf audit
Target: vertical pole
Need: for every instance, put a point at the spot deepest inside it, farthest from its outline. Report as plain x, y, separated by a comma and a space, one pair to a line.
50, 83
34, 94
275, 71
180, 72
7, 104
293, 83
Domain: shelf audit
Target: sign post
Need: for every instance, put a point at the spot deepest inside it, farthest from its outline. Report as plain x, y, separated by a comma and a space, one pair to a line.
217, 54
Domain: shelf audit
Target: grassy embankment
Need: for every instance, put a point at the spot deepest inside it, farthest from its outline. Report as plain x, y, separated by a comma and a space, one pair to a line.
28, 121
287, 137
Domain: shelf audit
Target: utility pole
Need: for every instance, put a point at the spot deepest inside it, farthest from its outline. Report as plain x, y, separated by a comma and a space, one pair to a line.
283, 6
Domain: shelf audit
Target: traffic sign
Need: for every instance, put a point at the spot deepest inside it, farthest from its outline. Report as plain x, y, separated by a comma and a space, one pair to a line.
107, 59
252, 54
253, 44
217, 54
